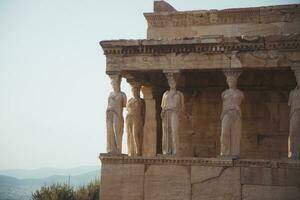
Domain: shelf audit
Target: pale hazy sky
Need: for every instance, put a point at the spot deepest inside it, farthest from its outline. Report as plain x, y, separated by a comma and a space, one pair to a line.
53, 87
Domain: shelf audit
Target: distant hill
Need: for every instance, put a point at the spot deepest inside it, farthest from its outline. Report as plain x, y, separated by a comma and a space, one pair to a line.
46, 172
12, 188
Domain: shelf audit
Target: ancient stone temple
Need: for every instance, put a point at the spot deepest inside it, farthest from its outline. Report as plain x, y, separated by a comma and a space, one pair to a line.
218, 117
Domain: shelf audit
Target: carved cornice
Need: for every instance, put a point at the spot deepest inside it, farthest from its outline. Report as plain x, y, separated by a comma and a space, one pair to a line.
269, 14
170, 160
267, 163
163, 160
200, 45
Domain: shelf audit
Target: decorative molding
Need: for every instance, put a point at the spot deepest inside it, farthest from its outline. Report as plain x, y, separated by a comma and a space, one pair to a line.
266, 163
164, 160
170, 160
200, 45
233, 72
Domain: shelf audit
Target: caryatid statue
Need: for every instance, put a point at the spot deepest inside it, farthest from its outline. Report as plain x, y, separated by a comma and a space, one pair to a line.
294, 133
114, 116
231, 116
172, 106
135, 121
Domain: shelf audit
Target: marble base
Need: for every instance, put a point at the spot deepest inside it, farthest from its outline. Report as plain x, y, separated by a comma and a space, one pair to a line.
176, 178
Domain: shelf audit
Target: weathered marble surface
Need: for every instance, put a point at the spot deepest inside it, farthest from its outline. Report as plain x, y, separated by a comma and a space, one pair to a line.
255, 192
135, 122
294, 132
200, 54
122, 182
176, 41
231, 117
172, 105
223, 184
169, 178
150, 125
270, 176
165, 22
164, 182
114, 116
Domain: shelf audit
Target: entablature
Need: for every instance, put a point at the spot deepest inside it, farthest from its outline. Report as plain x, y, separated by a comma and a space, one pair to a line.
201, 44
202, 53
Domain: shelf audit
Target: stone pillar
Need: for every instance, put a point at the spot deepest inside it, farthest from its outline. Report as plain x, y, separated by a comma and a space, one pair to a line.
150, 125
114, 115
172, 107
135, 119
231, 117
294, 103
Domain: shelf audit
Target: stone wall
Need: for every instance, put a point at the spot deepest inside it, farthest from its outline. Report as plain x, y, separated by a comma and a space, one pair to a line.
265, 113
265, 124
169, 178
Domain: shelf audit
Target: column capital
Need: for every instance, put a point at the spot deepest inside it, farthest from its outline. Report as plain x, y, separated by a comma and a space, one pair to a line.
171, 71
172, 74
232, 72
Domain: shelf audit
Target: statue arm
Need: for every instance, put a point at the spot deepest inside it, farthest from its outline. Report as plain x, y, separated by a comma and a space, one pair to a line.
163, 100
108, 102
128, 104
223, 93
163, 105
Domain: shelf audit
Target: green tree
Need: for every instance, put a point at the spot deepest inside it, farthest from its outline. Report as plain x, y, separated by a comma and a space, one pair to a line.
66, 192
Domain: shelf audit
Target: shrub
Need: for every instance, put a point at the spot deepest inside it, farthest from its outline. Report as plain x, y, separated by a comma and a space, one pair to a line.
65, 192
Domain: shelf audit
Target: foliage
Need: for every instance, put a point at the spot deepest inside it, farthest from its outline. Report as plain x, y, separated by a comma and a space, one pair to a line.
66, 192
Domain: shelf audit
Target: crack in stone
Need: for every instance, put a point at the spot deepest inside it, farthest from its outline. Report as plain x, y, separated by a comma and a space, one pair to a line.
211, 178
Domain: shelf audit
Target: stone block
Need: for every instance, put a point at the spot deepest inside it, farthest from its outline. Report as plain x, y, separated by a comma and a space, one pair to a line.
257, 192
122, 182
201, 173
164, 182
215, 183
270, 176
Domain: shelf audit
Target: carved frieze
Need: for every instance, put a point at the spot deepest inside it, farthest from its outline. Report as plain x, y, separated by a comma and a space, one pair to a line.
269, 14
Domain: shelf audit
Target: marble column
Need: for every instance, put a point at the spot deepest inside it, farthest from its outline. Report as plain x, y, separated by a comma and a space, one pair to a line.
294, 130
150, 125
135, 120
114, 116
231, 116
172, 106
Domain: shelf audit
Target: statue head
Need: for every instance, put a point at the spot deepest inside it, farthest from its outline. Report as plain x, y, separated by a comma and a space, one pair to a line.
136, 91
115, 82
231, 81
171, 80
232, 76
